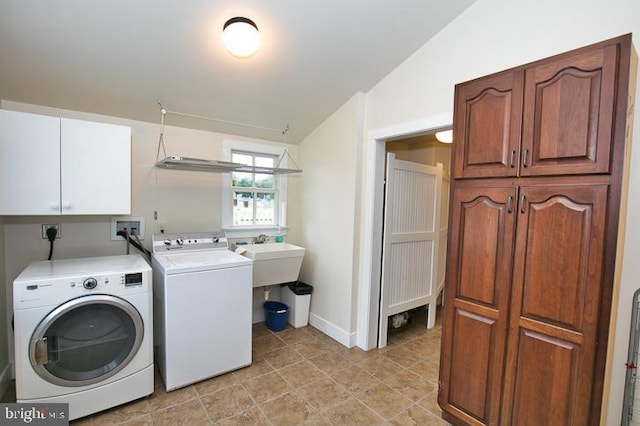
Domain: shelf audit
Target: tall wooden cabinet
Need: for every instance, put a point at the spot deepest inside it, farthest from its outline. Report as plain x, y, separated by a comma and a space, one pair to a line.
537, 165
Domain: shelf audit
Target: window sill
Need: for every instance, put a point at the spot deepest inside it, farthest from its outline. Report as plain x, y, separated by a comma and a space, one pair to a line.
254, 231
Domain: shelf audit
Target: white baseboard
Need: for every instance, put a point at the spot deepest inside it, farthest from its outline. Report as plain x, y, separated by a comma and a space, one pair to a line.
336, 333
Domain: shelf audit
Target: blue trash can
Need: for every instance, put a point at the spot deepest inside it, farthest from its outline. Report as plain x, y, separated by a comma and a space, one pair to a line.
276, 315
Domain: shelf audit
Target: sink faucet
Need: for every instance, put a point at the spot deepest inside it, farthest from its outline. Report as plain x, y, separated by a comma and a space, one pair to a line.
261, 239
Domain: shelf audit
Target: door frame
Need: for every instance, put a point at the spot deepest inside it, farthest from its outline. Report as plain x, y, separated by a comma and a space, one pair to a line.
372, 205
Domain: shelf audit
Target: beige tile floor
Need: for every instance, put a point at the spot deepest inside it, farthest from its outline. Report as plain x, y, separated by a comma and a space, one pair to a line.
302, 377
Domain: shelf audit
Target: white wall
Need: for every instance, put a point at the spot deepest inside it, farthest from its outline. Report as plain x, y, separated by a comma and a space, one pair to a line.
329, 157
493, 35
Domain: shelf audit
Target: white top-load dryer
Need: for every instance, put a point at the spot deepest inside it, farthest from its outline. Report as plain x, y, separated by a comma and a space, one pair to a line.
202, 307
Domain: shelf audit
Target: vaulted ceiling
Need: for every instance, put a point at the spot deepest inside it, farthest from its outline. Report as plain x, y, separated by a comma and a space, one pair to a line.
119, 57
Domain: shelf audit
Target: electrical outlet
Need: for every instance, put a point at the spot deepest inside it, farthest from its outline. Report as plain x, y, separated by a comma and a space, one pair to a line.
162, 227
134, 225
46, 226
131, 226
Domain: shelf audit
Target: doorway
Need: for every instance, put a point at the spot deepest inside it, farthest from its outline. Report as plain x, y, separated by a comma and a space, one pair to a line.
414, 230
373, 202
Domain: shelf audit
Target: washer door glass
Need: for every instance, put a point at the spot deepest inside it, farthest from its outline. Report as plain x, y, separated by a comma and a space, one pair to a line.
86, 340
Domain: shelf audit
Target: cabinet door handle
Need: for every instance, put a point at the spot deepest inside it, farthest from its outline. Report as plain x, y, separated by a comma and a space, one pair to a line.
512, 159
522, 201
510, 204
525, 158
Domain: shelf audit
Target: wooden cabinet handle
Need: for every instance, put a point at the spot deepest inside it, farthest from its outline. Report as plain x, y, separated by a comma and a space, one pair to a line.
525, 158
510, 204
512, 159
522, 200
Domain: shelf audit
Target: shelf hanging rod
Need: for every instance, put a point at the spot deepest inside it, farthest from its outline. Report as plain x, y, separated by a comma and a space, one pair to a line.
217, 120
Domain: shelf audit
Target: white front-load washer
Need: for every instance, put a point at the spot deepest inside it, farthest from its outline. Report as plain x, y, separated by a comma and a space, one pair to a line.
83, 332
202, 305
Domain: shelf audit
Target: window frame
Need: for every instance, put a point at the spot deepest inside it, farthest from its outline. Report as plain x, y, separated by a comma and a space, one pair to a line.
255, 190
280, 189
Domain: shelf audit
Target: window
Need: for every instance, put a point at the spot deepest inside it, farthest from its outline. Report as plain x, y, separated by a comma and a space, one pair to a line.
254, 203
255, 195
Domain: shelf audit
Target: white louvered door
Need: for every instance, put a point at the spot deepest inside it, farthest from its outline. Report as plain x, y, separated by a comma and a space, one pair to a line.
411, 240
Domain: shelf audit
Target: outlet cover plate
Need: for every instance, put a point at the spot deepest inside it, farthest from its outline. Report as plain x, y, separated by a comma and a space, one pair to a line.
46, 226
129, 222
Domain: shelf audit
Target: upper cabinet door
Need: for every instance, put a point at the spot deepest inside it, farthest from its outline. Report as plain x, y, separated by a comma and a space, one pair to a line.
30, 164
569, 109
556, 116
96, 168
487, 125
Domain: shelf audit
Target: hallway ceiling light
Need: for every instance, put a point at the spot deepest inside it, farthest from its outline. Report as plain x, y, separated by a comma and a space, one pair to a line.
445, 136
241, 37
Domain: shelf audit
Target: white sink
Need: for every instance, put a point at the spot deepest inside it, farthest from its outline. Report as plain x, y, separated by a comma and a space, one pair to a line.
274, 263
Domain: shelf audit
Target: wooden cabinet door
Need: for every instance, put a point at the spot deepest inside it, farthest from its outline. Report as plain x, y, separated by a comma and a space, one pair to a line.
487, 123
569, 111
554, 117
555, 304
476, 303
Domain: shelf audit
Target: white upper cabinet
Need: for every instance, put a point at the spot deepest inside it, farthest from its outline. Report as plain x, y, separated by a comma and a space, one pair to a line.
96, 168
53, 166
29, 164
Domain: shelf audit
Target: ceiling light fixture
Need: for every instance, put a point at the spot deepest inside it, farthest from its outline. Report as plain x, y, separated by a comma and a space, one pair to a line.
445, 136
241, 37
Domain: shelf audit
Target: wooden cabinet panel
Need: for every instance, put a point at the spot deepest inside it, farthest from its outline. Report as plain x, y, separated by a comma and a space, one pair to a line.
545, 378
554, 305
485, 220
553, 117
560, 241
479, 275
568, 114
474, 383
538, 165
487, 126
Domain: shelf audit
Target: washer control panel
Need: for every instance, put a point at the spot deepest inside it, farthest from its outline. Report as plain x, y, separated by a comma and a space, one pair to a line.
50, 282
97, 282
163, 243
90, 283
46, 291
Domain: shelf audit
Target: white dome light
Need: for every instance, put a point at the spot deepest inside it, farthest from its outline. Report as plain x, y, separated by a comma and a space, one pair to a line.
241, 37
445, 136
